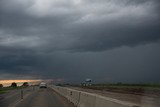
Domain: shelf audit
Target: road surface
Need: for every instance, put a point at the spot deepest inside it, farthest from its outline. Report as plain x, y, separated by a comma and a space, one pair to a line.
33, 98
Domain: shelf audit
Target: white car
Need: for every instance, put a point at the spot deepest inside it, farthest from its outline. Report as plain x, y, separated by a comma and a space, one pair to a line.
42, 85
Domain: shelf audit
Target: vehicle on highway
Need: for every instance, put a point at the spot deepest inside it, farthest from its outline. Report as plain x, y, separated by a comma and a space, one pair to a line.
42, 85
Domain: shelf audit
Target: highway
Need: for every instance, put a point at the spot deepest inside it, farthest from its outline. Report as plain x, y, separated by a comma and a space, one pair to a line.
33, 97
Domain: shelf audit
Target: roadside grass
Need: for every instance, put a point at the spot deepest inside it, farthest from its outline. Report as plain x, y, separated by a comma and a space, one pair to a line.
127, 88
6, 89
2, 92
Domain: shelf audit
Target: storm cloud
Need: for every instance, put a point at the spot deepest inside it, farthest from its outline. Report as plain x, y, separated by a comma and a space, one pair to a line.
107, 40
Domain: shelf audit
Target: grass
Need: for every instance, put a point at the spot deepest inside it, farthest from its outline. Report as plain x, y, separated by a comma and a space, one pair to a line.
124, 86
2, 91
127, 88
6, 89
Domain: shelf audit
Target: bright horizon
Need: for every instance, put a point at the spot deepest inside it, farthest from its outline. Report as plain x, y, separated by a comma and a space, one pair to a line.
19, 82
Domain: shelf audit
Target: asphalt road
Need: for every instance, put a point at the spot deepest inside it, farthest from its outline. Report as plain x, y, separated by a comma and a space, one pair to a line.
33, 98
10, 98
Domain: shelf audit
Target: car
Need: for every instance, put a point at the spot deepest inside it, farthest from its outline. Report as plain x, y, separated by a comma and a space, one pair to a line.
42, 85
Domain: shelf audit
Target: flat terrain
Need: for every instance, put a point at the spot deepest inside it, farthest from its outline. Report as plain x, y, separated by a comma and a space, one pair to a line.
146, 98
33, 97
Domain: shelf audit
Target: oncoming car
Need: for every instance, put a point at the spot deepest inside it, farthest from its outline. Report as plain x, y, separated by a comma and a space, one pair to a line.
42, 85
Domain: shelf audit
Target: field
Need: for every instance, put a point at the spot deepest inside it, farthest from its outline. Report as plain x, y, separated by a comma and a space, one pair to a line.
139, 89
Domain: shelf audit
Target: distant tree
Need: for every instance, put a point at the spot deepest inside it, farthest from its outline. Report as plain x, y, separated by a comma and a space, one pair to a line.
14, 84
1, 85
25, 84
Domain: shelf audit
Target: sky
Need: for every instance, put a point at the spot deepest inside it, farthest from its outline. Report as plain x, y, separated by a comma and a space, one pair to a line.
71, 40
7, 83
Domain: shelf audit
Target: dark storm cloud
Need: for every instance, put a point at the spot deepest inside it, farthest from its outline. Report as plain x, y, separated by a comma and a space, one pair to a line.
98, 25
38, 37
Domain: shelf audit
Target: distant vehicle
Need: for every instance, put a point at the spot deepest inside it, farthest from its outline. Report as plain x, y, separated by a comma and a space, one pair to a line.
88, 80
42, 85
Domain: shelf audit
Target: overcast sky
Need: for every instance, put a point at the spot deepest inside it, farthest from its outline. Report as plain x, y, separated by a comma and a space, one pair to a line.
70, 40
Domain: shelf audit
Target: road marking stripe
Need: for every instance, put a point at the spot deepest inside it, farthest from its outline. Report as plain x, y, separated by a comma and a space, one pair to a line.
17, 102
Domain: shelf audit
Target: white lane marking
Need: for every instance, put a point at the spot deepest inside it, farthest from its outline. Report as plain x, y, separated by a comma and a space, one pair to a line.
20, 100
